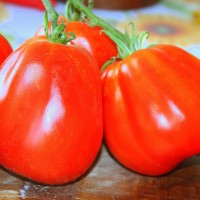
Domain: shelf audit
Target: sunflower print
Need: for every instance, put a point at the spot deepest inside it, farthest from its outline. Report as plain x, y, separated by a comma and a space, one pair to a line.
165, 29
3, 12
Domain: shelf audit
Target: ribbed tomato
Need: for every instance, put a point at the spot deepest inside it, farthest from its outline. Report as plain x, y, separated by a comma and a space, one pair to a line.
151, 102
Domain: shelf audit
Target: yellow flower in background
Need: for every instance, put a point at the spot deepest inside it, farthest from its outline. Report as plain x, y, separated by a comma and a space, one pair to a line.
165, 29
196, 16
3, 12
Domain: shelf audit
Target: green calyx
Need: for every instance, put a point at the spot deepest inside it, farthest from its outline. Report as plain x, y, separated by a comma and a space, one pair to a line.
57, 32
131, 43
126, 43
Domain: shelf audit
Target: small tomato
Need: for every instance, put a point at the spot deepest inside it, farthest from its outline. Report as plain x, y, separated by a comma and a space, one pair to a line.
5, 49
91, 38
34, 4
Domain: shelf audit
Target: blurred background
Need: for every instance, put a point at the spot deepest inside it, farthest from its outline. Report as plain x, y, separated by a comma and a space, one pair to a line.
122, 4
167, 21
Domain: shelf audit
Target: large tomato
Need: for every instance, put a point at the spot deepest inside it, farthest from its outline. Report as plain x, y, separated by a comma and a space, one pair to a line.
151, 102
91, 38
50, 111
5, 48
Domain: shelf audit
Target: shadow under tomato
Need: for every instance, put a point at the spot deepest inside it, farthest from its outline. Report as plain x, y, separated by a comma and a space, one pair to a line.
24, 179
188, 166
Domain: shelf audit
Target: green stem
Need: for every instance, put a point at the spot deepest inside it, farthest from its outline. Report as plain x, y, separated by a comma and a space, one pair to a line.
95, 20
90, 4
126, 43
57, 33
71, 13
51, 12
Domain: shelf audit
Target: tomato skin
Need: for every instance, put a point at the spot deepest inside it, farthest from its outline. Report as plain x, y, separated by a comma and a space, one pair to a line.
50, 111
90, 38
151, 103
34, 4
5, 49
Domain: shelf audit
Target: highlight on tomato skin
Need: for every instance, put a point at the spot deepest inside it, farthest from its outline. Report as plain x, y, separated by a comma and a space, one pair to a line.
5, 49
50, 112
151, 109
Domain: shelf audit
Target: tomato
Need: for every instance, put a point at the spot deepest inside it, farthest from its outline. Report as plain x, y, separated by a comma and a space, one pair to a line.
91, 38
5, 48
50, 111
34, 4
151, 102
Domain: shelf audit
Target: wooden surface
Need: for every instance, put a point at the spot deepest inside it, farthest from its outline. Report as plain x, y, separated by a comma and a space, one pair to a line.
107, 180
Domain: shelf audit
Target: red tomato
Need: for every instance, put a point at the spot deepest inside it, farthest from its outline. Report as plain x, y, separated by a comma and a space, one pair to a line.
5, 48
91, 38
33, 3
151, 103
50, 111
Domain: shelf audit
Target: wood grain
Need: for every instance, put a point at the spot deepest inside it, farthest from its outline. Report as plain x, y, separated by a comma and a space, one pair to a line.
108, 180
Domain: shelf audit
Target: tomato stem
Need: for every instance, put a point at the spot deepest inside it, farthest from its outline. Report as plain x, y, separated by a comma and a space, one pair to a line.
94, 20
71, 13
126, 43
57, 33
51, 12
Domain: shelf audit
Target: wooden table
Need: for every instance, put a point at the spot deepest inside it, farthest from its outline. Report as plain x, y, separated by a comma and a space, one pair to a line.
108, 180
